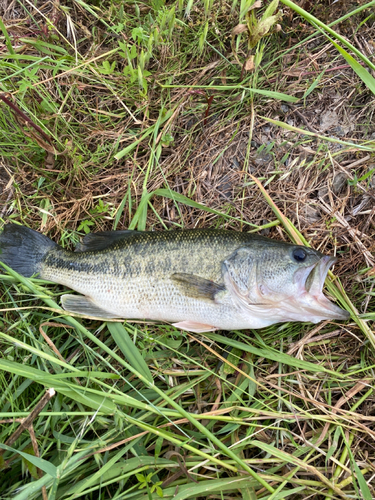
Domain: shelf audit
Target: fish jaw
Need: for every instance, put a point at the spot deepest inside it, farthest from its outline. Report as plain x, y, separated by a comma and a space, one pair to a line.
312, 304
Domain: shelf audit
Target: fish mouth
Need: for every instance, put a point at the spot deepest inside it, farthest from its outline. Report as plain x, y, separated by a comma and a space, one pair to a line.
314, 302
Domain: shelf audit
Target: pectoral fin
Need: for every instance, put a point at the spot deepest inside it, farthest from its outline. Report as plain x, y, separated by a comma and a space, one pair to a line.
79, 304
192, 326
197, 287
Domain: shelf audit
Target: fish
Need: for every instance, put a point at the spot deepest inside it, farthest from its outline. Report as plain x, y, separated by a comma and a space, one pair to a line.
198, 280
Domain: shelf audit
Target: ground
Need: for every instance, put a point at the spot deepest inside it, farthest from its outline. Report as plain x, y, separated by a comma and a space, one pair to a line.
164, 115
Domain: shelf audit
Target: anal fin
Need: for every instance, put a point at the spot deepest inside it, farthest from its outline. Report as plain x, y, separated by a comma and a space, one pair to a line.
79, 304
193, 326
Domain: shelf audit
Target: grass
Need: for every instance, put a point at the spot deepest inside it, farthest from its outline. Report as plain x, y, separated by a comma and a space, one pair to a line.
175, 115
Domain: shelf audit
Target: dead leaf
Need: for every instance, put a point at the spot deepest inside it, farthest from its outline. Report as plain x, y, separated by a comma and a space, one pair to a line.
41, 143
50, 161
328, 119
256, 5
249, 64
240, 28
223, 76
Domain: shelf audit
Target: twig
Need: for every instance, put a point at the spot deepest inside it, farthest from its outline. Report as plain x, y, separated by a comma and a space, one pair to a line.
36, 453
28, 120
27, 422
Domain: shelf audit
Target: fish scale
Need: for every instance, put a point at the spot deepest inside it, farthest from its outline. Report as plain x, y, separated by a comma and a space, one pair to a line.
128, 289
199, 280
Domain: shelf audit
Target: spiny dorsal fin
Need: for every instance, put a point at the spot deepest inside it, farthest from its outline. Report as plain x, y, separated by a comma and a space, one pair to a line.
101, 240
197, 287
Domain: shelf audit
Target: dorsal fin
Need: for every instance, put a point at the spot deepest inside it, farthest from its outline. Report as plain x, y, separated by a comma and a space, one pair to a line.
101, 240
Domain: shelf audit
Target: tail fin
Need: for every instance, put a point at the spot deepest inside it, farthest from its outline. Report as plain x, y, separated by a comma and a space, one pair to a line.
23, 249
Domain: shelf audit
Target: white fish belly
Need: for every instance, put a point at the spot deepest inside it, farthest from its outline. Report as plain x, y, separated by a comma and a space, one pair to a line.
150, 298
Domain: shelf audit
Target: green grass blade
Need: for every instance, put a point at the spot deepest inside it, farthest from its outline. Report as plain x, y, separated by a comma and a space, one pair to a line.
42, 464
362, 72
129, 350
315, 21
273, 355
109, 475
148, 132
77, 490
8, 42
291, 459
204, 489
279, 96
90, 397
365, 490
302, 131
283, 494
179, 198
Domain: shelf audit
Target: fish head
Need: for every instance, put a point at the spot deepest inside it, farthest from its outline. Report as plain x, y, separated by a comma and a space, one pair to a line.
281, 281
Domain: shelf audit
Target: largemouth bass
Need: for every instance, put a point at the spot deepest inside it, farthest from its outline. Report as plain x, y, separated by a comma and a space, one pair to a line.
199, 280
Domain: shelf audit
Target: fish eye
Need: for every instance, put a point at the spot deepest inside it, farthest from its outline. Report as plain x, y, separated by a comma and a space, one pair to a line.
299, 254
